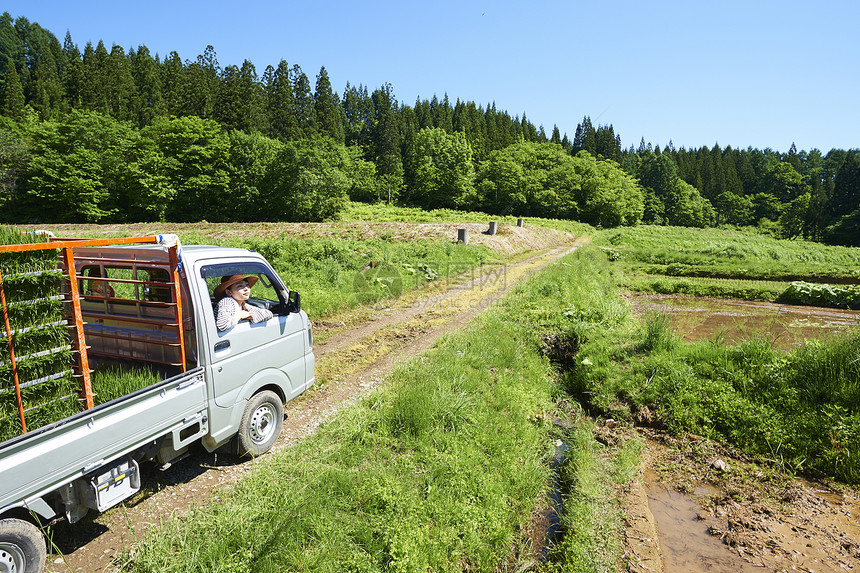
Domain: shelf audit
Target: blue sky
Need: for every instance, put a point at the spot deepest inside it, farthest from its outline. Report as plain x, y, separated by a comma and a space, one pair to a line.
740, 73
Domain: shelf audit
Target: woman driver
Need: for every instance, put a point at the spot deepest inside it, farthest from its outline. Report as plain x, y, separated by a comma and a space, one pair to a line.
232, 296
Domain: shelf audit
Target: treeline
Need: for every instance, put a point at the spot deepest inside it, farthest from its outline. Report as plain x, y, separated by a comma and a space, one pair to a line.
104, 136
98, 135
797, 193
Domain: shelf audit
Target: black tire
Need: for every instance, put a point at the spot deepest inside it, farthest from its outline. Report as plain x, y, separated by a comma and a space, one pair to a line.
261, 424
22, 547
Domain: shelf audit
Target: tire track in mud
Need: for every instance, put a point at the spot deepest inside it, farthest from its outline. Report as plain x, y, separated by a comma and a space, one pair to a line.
350, 363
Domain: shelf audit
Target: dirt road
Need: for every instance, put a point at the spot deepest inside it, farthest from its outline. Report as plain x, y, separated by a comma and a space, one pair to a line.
354, 354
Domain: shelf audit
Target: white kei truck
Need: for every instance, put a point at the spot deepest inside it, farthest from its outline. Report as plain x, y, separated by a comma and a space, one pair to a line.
145, 300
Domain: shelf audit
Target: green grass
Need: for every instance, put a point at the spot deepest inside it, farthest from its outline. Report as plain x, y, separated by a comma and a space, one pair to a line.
436, 471
798, 409
382, 213
592, 519
728, 253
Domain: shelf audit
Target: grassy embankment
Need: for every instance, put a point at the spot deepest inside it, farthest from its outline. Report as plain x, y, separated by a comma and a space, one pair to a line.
800, 409
441, 469
741, 264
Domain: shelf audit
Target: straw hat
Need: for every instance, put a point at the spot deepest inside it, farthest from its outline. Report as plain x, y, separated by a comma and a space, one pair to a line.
228, 281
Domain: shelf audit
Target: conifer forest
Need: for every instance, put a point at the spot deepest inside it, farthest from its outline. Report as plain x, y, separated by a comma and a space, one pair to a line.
118, 135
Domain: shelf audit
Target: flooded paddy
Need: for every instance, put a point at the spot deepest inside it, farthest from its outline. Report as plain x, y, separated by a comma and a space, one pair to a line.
732, 526
697, 318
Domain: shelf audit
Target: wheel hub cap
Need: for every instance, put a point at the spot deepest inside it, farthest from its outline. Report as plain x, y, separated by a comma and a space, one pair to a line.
262, 424
11, 559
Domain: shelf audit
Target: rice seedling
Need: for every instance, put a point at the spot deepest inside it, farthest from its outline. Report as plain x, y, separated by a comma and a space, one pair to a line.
31, 340
111, 381
767, 291
43, 357
52, 402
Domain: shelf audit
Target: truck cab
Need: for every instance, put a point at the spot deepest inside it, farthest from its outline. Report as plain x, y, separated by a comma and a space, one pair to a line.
134, 321
273, 355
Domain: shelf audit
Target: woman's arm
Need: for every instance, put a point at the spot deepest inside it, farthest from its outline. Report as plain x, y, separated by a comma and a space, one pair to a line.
258, 314
225, 314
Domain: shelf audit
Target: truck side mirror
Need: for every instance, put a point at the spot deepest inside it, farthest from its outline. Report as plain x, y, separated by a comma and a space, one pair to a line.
294, 302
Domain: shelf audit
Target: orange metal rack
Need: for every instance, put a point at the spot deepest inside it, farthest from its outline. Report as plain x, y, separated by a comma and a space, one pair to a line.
75, 320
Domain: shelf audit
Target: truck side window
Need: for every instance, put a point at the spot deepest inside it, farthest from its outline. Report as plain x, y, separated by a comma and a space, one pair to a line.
156, 293
266, 293
127, 290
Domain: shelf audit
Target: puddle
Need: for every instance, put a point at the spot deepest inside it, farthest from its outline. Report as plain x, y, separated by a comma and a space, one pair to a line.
685, 543
695, 318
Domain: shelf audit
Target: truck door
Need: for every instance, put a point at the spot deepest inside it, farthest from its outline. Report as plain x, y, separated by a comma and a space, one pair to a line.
270, 352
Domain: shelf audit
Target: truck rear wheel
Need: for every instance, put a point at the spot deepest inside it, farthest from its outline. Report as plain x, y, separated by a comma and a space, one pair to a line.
261, 423
22, 547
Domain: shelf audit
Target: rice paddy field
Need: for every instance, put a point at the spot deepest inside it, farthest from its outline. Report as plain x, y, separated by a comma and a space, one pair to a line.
734, 263
796, 406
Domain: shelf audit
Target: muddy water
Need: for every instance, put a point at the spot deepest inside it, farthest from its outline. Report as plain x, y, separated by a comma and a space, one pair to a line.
821, 535
685, 543
695, 318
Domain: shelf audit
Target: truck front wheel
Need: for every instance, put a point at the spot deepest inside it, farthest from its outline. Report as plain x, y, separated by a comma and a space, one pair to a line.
22, 547
261, 423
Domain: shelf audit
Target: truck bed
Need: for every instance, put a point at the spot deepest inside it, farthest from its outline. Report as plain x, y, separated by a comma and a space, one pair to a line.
40, 461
